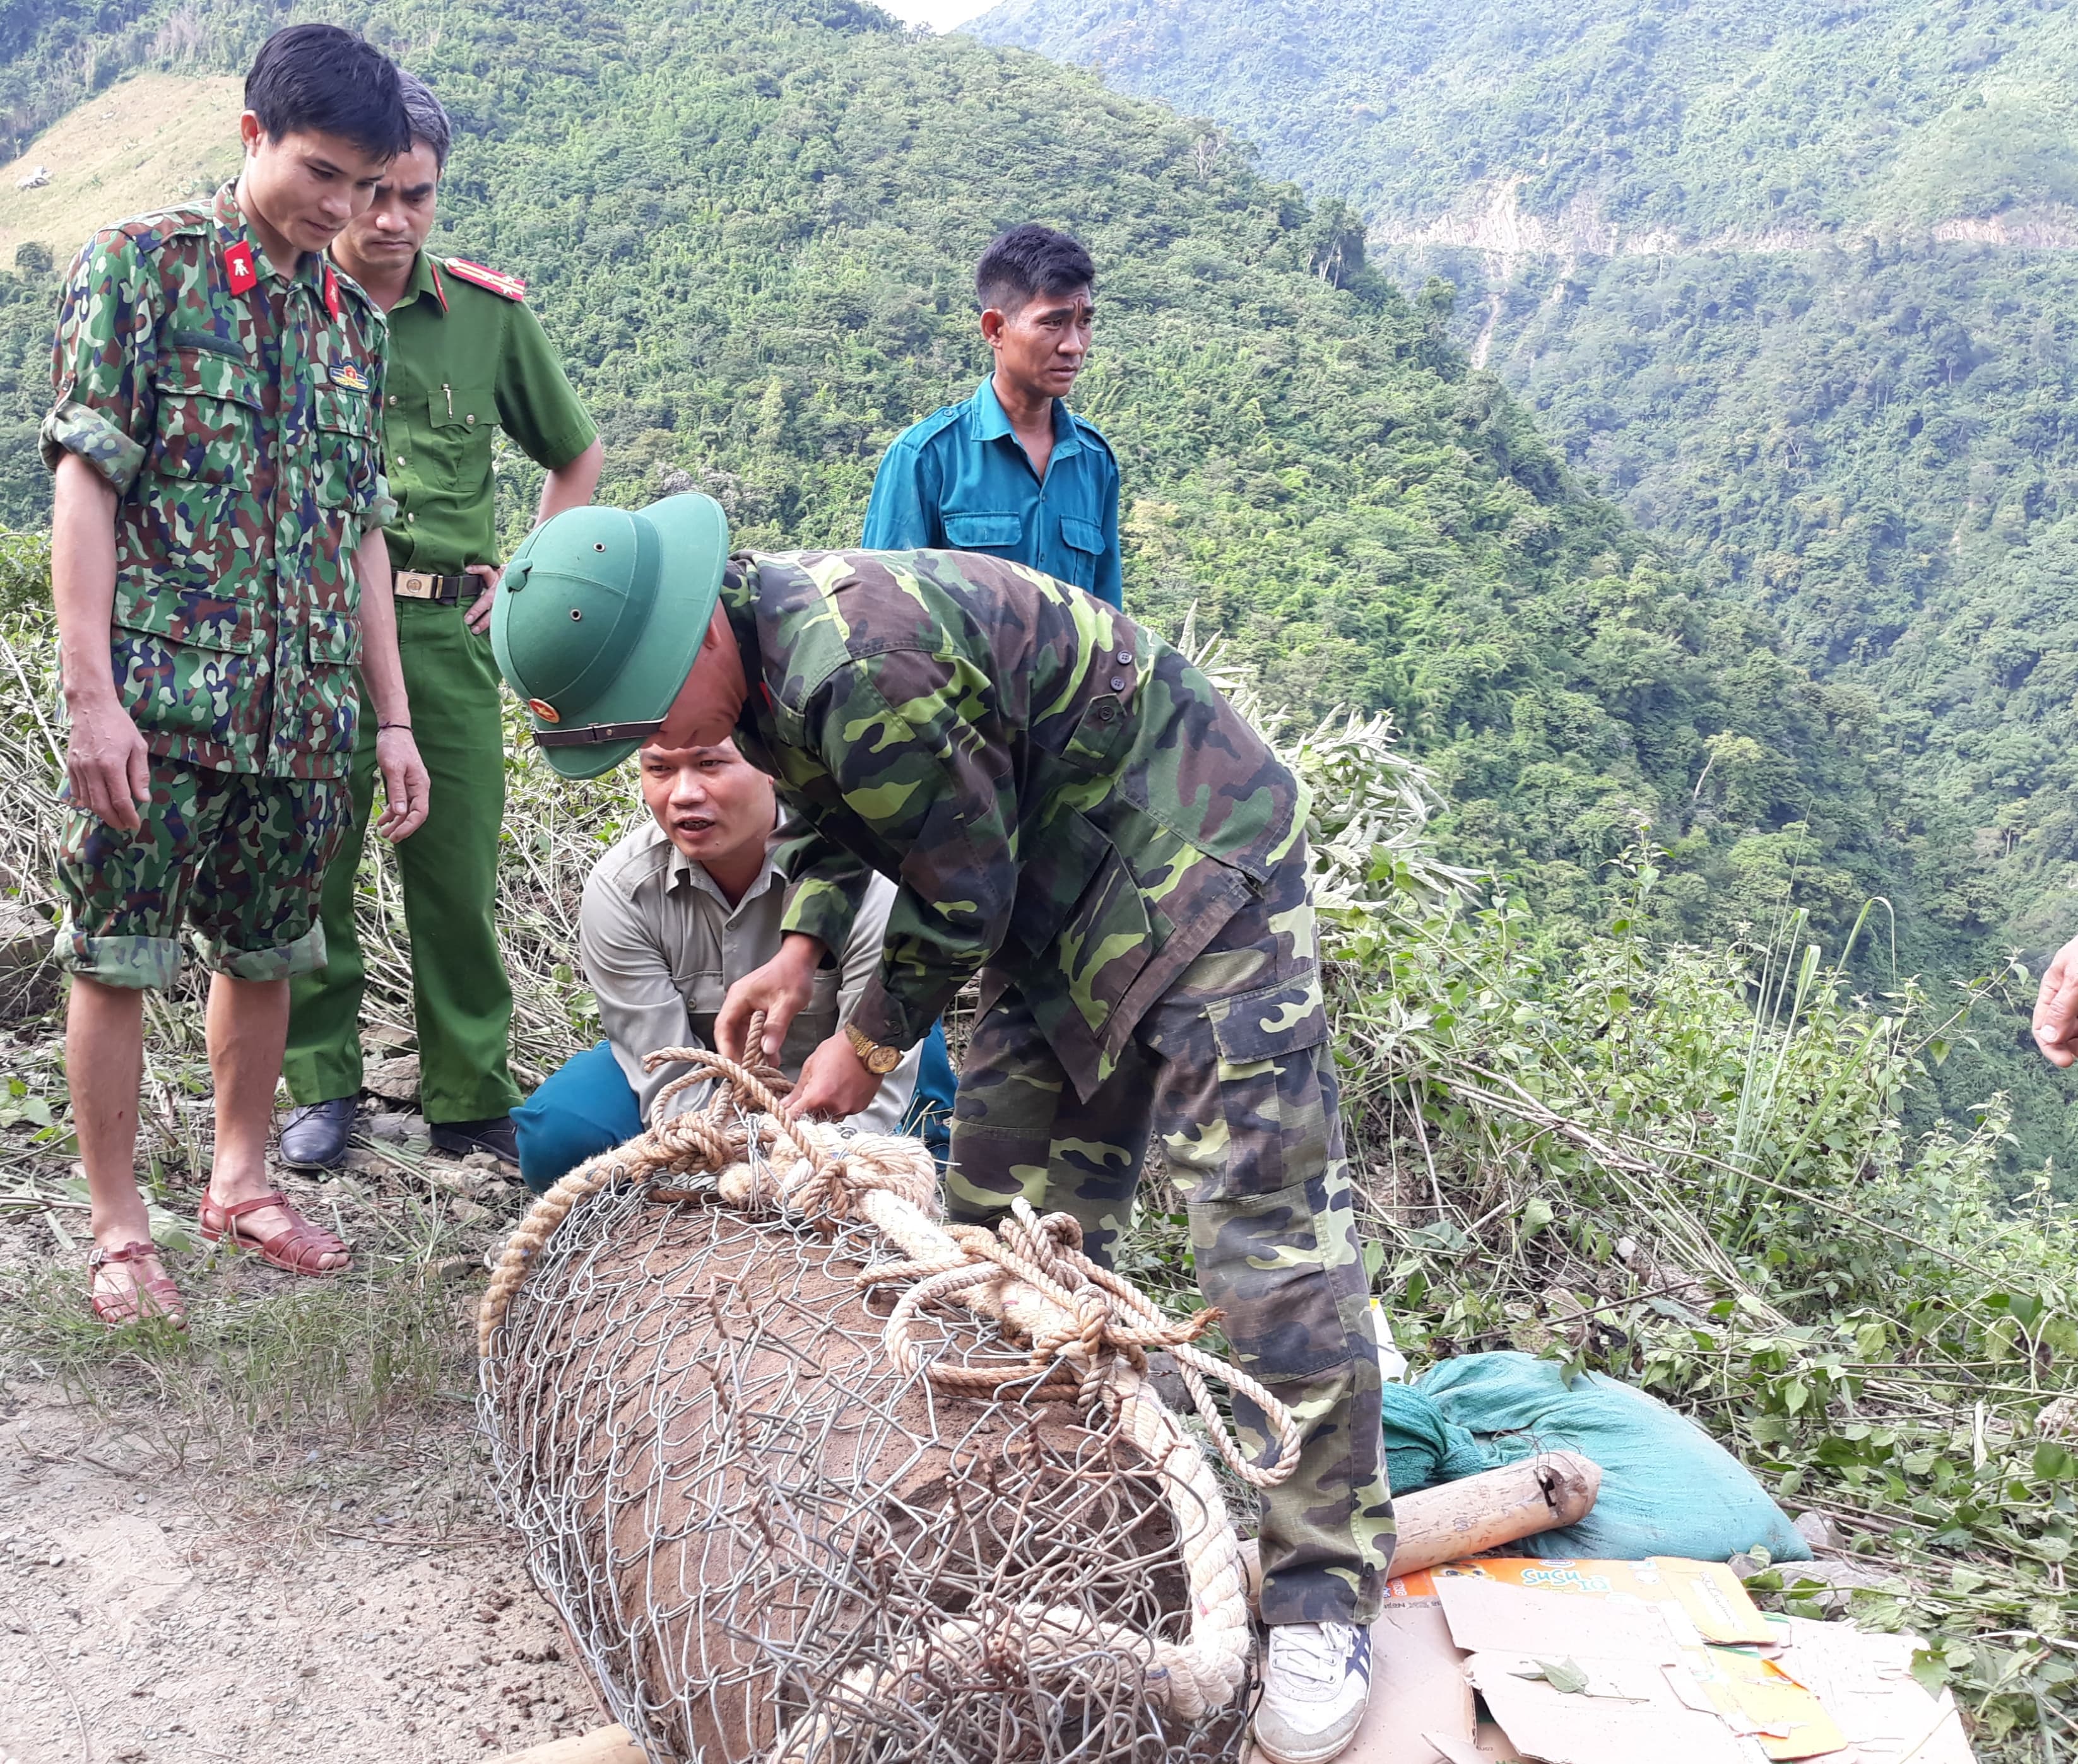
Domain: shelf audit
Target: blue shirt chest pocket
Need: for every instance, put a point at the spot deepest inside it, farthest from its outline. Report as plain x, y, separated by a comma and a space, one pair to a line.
1082, 550
998, 531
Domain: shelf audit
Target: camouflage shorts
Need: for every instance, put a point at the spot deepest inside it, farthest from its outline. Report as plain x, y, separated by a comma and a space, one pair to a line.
1233, 1068
241, 858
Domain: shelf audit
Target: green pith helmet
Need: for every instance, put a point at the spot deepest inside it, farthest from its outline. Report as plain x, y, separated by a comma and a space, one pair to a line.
601, 613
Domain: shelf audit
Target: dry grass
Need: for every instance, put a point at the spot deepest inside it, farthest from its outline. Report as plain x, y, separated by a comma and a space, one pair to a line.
149, 140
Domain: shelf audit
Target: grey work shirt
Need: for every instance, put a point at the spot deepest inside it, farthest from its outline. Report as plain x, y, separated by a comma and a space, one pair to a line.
661, 946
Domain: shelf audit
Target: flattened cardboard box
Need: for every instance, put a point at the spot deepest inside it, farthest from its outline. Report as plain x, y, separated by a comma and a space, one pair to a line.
1763, 1689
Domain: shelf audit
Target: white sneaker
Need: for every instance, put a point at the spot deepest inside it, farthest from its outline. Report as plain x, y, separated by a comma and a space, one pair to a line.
1315, 1691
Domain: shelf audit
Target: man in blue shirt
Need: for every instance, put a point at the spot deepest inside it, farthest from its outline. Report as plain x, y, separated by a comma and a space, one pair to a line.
1013, 472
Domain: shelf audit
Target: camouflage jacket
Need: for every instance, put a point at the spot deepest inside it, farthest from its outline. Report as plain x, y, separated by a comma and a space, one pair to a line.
1054, 790
233, 406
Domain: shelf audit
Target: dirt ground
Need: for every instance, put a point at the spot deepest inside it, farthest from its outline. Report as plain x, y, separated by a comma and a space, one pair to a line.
138, 1619
172, 1591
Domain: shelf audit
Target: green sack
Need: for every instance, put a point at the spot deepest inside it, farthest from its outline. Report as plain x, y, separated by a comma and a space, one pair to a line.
1668, 1489
1422, 1448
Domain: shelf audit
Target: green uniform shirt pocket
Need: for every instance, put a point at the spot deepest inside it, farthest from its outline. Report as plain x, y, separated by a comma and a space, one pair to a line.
977, 532
1104, 732
1107, 940
178, 657
452, 451
345, 411
1055, 861
206, 427
334, 639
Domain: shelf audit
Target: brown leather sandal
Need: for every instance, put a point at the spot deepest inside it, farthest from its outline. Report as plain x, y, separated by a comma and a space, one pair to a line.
150, 1294
297, 1246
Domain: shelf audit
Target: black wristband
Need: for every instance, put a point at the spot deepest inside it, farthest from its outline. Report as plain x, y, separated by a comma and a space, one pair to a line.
381, 727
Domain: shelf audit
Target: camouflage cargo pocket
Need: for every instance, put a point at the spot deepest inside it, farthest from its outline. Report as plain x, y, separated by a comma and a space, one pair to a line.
207, 428
179, 658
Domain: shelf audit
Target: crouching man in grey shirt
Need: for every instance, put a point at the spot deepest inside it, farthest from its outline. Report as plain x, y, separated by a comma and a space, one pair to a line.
674, 915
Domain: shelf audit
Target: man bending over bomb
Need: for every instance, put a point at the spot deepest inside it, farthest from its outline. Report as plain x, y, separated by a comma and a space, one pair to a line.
1069, 810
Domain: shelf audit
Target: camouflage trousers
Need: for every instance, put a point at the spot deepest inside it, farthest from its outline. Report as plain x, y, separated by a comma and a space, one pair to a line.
240, 857
1233, 1066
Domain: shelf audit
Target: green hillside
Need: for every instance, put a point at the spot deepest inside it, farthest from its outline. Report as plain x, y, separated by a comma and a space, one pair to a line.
752, 234
1795, 284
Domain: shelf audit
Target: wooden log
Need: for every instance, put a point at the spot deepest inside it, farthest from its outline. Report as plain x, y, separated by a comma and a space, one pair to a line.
602, 1745
1479, 1513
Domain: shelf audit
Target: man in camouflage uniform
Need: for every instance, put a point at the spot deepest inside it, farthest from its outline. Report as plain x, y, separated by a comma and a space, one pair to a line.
218, 486
1072, 811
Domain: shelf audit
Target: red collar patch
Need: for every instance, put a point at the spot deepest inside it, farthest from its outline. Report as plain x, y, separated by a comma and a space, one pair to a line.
238, 260
331, 291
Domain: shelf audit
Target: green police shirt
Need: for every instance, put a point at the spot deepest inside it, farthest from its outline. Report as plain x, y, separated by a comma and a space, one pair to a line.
466, 357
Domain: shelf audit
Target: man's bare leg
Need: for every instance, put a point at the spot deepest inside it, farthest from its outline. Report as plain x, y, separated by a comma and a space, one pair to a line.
104, 1067
249, 1029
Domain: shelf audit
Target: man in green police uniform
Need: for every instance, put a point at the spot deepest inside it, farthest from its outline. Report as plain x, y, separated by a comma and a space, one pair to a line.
466, 357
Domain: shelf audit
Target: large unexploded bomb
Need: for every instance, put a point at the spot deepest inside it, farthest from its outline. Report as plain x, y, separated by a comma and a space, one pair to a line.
811, 1475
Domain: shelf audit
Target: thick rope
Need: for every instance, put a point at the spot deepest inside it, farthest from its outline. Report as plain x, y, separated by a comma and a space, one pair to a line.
1088, 1329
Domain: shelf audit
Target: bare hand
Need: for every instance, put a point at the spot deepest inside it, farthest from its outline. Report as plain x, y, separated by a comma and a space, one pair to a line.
478, 615
407, 791
779, 989
834, 1083
2056, 1005
108, 765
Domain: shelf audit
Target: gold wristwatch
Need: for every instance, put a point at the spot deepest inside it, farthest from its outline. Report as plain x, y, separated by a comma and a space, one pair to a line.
878, 1060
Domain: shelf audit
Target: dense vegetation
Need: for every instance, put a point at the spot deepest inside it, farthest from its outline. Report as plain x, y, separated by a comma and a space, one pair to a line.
1715, 249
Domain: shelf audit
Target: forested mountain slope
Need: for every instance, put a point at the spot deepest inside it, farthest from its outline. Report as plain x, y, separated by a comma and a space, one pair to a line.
1643, 124
752, 227
750, 222
1794, 281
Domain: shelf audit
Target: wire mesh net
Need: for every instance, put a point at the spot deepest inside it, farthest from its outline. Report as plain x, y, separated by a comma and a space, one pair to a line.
768, 1431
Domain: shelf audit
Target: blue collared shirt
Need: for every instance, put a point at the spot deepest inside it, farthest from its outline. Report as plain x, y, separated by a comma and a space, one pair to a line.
959, 481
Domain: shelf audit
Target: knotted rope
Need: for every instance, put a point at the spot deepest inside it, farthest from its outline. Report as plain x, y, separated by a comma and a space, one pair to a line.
1088, 1331
1101, 1323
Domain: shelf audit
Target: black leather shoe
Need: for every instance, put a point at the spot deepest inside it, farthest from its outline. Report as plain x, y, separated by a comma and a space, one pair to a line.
314, 1136
496, 1135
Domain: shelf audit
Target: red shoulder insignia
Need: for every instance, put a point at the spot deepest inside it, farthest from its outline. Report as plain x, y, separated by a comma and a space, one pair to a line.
512, 287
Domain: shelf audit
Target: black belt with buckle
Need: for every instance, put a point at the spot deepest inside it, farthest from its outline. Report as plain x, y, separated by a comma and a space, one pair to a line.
444, 590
